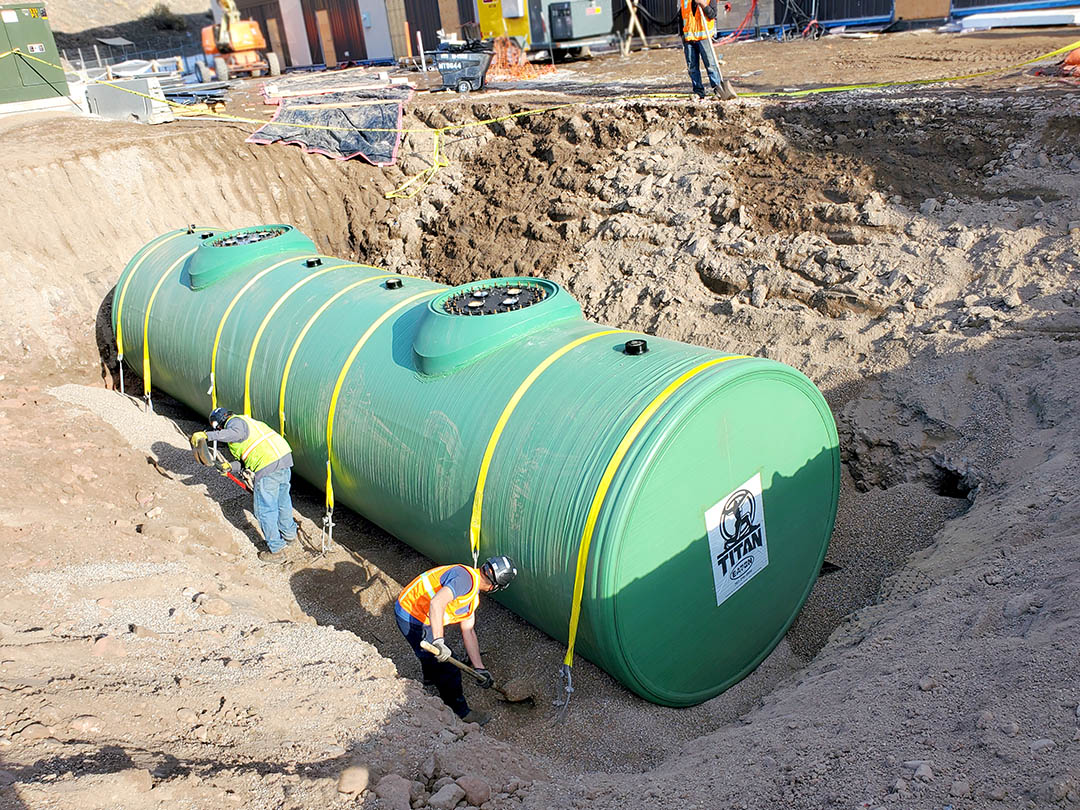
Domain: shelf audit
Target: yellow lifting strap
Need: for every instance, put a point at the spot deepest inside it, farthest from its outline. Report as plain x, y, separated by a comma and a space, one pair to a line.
127, 283
341, 381
500, 425
228, 310
605, 483
146, 322
265, 322
303, 333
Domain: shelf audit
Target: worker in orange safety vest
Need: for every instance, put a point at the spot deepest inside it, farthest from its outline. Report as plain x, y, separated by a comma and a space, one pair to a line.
698, 26
443, 596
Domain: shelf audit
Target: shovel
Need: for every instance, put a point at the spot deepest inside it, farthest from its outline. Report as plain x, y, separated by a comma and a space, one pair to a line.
510, 697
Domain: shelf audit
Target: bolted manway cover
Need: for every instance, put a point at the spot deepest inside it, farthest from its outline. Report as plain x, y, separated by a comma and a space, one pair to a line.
706, 483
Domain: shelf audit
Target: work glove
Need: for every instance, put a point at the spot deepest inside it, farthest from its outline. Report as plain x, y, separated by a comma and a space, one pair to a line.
486, 681
225, 467
200, 436
444, 653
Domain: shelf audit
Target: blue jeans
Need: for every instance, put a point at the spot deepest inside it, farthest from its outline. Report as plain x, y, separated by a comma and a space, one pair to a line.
694, 50
445, 676
273, 508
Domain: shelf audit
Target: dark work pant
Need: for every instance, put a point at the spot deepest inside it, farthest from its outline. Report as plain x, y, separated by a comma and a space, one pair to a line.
445, 676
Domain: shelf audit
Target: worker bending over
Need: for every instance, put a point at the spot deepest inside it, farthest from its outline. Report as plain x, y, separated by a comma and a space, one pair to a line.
260, 449
446, 595
698, 26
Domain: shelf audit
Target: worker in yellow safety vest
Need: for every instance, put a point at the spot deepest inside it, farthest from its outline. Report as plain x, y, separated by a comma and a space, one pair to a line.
698, 26
264, 452
446, 595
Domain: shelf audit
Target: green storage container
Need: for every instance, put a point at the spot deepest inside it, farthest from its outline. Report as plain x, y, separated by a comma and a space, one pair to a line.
25, 26
707, 484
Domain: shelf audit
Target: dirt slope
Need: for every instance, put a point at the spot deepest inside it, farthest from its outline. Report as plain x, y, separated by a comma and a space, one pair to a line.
72, 16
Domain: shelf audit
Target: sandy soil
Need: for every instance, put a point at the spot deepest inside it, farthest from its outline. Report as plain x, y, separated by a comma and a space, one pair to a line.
916, 253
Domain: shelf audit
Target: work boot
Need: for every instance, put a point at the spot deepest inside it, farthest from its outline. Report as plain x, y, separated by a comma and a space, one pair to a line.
276, 557
477, 717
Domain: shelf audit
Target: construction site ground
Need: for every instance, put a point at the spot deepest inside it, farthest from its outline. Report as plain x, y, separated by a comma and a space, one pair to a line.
914, 250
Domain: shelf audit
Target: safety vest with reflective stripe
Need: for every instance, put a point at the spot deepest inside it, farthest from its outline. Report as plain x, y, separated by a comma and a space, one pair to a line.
416, 597
695, 25
262, 446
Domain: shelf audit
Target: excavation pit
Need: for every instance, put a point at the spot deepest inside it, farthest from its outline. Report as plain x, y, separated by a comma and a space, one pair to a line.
816, 253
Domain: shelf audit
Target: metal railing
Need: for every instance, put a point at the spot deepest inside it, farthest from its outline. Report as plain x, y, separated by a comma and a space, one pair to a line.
104, 56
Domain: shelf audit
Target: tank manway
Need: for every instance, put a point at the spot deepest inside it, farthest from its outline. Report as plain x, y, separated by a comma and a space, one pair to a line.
668, 506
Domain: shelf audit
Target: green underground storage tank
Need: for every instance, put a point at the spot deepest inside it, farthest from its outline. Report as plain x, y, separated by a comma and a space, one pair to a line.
698, 489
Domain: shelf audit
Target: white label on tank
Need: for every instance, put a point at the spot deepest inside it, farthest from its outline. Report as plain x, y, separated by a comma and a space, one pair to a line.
37, 47
737, 544
9, 16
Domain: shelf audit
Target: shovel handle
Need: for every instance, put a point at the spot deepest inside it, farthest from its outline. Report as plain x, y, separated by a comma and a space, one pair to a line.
431, 648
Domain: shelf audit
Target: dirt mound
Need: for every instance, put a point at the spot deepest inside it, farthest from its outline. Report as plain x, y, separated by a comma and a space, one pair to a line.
73, 16
148, 655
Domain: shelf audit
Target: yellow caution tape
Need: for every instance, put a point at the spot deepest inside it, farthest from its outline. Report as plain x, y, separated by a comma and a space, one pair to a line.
496, 434
607, 99
842, 88
438, 161
228, 310
300, 339
421, 179
266, 321
605, 484
146, 319
341, 381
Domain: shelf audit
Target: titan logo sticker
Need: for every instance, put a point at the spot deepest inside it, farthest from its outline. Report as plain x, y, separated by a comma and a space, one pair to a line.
737, 542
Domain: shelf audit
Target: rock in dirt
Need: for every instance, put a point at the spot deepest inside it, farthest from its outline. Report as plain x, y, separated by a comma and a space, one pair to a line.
441, 782
960, 788
447, 797
108, 647
1044, 744
477, 791
924, 772
394, 791
984, 720
186, 716
142, 632
353, 779
927, 684
34, 731
215, 606
1010, 729
122, 783
85, 724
